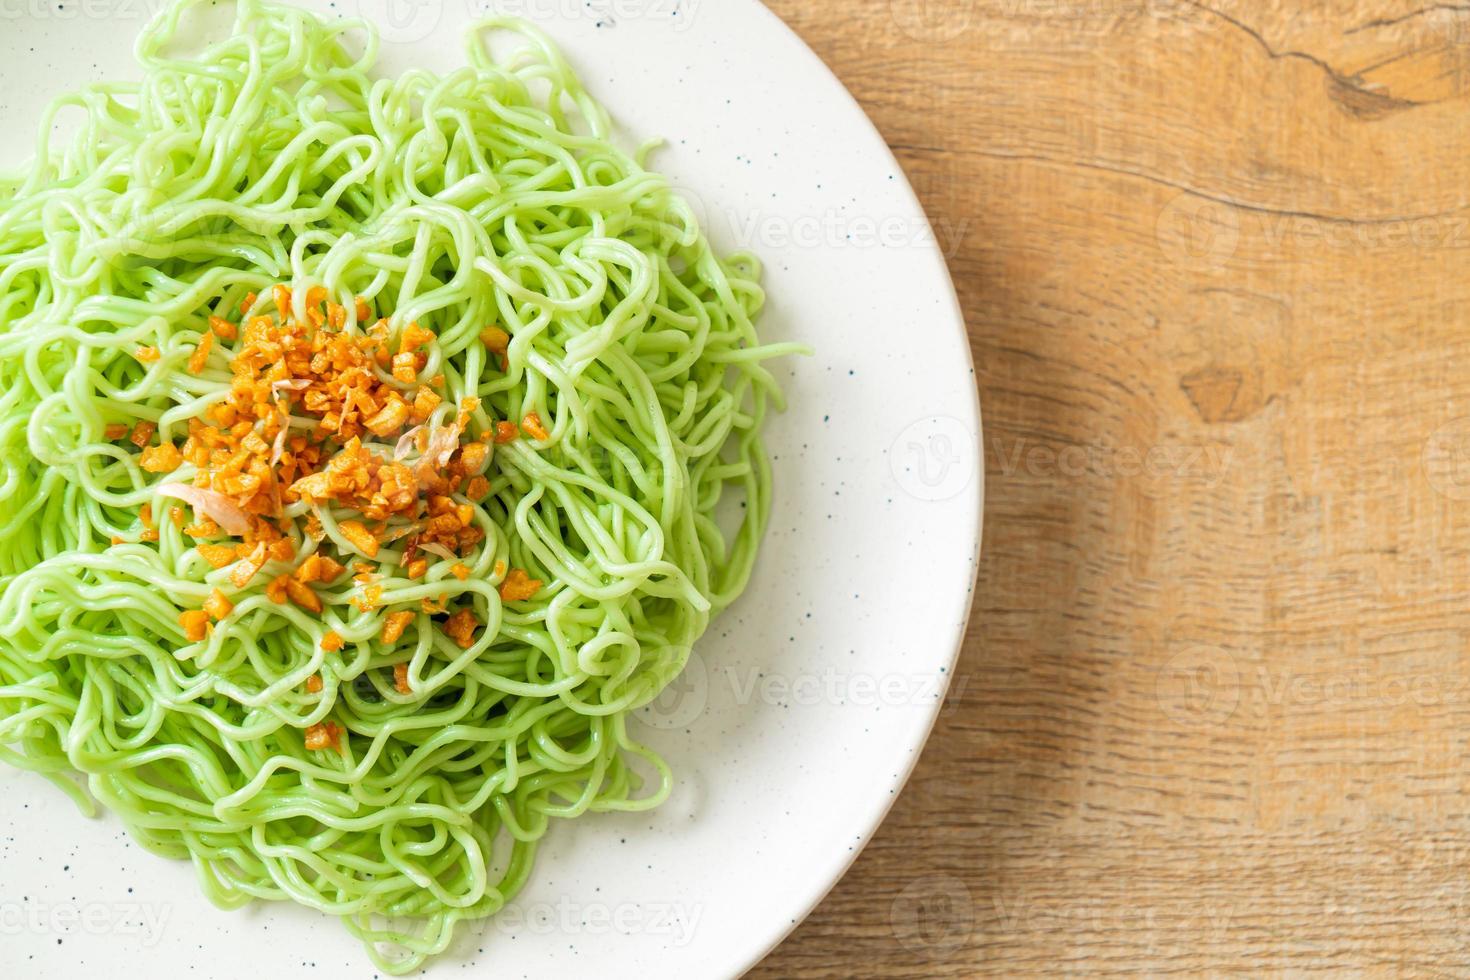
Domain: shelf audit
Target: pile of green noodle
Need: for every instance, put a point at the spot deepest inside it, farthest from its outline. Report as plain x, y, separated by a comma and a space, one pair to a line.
489, 195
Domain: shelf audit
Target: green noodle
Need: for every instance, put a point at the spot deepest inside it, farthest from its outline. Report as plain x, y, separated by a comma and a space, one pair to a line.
492, 194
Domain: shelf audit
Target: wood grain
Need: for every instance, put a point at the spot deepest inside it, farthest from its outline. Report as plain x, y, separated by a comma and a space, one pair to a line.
1213, 708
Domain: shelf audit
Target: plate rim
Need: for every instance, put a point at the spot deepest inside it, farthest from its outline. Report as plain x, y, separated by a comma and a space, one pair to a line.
896, 785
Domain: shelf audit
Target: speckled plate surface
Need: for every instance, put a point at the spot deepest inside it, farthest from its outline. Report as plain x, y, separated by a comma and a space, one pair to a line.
806, 706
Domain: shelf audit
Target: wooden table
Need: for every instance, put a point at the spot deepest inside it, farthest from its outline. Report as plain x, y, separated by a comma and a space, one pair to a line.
1213, 713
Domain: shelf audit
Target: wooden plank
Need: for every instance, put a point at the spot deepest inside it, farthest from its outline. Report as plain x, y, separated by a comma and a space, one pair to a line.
1213, 711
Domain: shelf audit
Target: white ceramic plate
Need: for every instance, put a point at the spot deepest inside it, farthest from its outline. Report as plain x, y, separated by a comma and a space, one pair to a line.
807, 705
